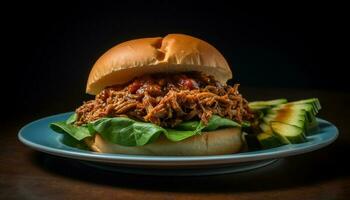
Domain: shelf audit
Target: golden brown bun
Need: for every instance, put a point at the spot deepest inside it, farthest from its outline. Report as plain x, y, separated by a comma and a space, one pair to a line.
223, 141
173, 53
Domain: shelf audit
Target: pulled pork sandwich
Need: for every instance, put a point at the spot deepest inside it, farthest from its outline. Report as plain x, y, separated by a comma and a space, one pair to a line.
161, 96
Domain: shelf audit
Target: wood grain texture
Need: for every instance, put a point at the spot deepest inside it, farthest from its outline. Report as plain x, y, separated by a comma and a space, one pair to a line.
323, 174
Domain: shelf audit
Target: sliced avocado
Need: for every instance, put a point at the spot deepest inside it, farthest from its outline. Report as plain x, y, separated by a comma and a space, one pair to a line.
269, 140
292, 133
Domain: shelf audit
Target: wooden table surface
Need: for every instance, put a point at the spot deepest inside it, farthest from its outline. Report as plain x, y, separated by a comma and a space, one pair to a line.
323, 174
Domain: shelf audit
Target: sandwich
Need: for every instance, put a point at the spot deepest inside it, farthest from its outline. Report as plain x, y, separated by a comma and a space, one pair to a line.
161, 96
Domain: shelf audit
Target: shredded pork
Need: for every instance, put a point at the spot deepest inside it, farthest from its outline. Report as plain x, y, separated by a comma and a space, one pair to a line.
167, 100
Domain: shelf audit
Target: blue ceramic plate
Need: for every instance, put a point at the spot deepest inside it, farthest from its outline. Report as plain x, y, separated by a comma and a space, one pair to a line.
39, 136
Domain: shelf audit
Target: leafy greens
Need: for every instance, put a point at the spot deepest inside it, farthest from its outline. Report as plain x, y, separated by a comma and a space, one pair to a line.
128, 132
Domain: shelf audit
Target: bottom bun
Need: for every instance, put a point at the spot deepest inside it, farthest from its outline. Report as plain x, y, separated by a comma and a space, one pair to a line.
223, 141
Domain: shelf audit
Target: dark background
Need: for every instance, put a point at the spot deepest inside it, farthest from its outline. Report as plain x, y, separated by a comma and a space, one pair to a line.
50, 47
293, 50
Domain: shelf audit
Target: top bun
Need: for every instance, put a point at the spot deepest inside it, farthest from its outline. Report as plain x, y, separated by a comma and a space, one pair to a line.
173, 53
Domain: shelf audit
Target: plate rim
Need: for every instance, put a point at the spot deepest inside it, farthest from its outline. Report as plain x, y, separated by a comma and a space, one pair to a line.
170, 160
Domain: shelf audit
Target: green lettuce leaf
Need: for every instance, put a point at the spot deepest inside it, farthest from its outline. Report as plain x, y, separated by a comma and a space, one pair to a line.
72, 119
184, 130
128, 132
188, 126
78, 132
216, 122
178, 135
